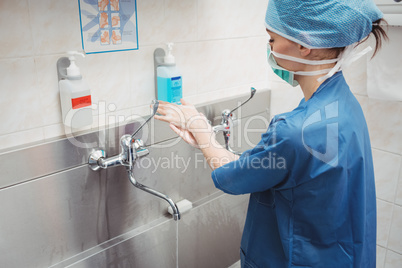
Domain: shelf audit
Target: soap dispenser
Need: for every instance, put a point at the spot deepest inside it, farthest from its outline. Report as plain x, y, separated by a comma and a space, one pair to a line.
75, 94
168, 77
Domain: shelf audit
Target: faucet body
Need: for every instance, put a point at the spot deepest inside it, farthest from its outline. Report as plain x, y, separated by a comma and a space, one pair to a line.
228, 122
130, 149
226, 126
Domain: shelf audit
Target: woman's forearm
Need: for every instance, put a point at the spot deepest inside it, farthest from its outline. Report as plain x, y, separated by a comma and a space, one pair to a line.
194, 128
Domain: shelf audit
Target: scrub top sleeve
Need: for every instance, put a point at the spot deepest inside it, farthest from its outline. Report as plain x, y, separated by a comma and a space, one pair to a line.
259, 169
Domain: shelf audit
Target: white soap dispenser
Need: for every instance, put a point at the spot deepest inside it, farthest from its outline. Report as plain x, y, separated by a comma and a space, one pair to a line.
169, 80
169, 58
75, 95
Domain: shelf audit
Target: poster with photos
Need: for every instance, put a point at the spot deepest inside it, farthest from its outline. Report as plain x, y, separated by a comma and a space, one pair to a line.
108, 25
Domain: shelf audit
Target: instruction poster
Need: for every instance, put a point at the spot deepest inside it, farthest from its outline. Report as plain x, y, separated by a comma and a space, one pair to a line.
108, 25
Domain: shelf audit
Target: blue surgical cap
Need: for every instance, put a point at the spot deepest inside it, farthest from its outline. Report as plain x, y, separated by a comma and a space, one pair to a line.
322, 23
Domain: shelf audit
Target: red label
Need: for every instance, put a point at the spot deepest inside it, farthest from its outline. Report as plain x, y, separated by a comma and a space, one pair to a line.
81, 102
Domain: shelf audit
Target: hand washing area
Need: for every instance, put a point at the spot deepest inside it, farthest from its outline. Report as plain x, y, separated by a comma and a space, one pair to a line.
64, 214
87, 181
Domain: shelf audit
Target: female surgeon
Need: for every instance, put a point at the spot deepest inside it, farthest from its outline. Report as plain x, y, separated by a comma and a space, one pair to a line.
318, 209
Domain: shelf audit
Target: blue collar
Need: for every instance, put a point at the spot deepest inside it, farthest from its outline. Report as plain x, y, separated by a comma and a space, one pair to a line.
321, 87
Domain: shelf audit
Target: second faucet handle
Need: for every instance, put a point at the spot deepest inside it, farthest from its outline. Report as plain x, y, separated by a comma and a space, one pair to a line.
138, 144
139, 148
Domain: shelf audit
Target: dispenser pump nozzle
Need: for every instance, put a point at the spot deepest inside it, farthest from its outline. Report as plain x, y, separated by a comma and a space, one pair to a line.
73, 70
169, 58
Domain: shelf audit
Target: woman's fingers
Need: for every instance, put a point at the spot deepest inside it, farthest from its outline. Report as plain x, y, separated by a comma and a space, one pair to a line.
186, 103
167, 106
162, 118
178, 131
189, 138
175, 129
169, 118
185, 135
178, 115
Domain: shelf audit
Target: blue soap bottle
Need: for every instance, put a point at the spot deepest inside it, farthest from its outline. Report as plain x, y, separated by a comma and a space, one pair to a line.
169, 81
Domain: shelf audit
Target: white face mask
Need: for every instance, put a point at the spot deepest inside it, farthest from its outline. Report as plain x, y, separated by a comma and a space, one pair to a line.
348, 56
288, 76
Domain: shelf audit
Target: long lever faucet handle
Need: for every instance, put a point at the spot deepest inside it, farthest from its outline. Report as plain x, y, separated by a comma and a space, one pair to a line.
155, 105
226, 114
252, 93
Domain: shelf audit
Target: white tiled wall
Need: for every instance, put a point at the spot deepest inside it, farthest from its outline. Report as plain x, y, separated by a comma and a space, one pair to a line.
220, 49
384, 119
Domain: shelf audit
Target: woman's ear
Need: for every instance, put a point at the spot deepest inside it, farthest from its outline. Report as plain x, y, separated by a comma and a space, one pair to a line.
304, 52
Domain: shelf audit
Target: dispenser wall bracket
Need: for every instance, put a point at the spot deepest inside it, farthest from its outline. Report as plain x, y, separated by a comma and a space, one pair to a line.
159, 55
62, 65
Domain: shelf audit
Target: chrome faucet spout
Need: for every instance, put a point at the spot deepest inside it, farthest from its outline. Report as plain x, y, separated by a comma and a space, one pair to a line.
176, 213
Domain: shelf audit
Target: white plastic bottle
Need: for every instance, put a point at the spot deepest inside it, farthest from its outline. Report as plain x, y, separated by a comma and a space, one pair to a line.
75, 97
169, 80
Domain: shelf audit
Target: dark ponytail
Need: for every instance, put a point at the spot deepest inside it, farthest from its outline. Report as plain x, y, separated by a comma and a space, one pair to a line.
379, 33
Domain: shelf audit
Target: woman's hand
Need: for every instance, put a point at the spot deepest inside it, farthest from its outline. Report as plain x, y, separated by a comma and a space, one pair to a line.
184, 117
193, 128
185, 121
186, 135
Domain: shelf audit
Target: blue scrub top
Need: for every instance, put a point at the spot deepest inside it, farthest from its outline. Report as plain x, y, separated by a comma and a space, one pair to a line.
311, 180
